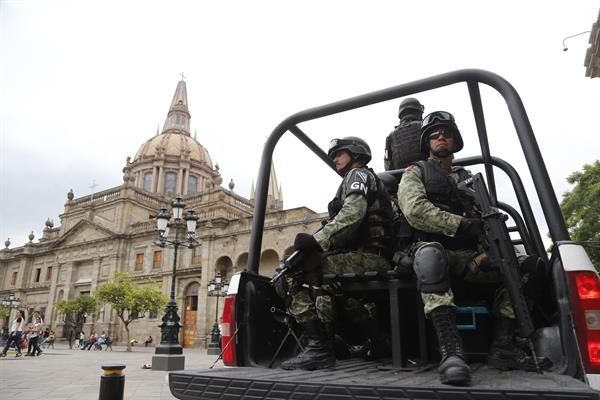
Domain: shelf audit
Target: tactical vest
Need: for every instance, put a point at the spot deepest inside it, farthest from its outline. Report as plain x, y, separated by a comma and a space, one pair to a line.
405, 144
441, 190
375, 233
440, 187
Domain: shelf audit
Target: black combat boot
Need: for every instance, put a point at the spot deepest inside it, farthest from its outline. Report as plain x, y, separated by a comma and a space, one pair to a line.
505, 354
453, 369
318, 353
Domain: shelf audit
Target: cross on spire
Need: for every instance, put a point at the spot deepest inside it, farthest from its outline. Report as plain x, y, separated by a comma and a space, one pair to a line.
93, 186
182, 76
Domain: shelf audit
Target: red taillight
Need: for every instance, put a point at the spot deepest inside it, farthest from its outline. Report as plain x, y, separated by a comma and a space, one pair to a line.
588, 286
585, 300
594, 353
228, 326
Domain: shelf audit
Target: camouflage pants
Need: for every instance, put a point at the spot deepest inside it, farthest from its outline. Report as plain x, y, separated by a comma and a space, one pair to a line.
310, 303
458, 261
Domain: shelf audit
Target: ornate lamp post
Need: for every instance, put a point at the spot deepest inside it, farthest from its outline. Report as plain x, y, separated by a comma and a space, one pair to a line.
11, 301
216, 288
168, 355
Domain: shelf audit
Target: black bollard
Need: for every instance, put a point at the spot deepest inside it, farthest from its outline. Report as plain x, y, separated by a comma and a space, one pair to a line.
112, 382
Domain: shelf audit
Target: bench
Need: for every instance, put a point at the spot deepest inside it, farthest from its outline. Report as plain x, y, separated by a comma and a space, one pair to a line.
393, 283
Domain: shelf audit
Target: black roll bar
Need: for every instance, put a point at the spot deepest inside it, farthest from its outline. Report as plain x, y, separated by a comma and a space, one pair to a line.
531, 151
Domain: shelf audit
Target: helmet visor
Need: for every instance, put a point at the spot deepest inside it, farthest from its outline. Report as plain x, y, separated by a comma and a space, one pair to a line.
439, 116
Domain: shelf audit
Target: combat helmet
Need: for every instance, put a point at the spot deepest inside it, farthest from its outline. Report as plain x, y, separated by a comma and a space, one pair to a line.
435, 120
352, 144
410, 105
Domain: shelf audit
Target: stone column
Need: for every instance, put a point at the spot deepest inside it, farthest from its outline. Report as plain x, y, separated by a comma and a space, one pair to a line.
68, 269
179, 187
186, 174
205, 307
52, 296
154, 178
161, 179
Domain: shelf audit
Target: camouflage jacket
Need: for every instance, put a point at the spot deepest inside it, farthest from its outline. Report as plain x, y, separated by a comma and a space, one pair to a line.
421, 213
340, 232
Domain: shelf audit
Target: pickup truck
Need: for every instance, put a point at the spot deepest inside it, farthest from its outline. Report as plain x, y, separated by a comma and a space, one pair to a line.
564, 300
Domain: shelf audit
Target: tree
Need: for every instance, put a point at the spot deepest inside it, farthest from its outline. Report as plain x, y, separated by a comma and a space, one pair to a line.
75, 312
4, 311
130, 300
581, 209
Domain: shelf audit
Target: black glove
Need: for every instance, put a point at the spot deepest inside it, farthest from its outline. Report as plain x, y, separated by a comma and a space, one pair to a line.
471, 228
306, 242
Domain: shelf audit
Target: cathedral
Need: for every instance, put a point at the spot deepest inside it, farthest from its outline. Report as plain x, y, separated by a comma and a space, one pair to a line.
111, 231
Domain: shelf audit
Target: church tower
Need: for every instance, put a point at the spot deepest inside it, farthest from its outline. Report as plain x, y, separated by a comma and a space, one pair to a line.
274, 193
172, 162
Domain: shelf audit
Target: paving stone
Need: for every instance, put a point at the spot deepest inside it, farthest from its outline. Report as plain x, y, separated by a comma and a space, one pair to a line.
66, 374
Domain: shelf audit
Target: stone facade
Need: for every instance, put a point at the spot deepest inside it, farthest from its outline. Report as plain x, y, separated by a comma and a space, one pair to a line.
112, 231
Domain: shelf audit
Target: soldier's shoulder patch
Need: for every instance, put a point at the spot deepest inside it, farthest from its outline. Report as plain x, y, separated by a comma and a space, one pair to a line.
358, 182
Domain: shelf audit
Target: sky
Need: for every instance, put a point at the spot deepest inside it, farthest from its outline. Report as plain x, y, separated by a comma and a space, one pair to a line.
83, 84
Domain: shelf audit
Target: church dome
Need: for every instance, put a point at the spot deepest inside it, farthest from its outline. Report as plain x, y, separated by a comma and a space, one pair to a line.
171, 144
173, 162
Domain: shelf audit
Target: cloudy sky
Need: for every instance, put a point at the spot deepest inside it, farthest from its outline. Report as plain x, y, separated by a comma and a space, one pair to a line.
84, 83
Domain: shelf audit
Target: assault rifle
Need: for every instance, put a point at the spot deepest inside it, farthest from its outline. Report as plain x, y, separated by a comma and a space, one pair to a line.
288, 265
501, 254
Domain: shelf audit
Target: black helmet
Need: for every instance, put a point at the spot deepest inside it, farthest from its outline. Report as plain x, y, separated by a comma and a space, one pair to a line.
435, 120
352, 144
390, 182
410, 105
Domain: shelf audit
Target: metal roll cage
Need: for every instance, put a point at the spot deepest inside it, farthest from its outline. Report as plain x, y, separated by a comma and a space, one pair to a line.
526, 226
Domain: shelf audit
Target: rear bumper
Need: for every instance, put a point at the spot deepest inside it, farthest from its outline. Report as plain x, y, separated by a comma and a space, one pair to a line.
594, 380
359, 381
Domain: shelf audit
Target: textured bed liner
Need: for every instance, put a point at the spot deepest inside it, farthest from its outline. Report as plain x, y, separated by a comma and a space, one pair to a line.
356, 379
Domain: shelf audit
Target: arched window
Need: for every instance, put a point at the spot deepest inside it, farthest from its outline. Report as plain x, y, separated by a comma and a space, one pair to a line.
241, 262
192, 185
224, 266
269, 260
170, 182
148, 181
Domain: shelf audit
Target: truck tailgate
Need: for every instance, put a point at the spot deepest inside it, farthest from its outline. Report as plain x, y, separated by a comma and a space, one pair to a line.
357, 379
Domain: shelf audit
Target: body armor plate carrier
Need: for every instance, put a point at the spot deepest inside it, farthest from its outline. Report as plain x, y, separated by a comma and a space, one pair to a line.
404, 144
442, 191
375, 233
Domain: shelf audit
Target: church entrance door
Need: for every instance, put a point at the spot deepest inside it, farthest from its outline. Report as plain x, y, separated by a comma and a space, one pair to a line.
190, 316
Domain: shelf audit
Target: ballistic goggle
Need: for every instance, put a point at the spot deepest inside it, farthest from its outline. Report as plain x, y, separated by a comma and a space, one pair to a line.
439, 116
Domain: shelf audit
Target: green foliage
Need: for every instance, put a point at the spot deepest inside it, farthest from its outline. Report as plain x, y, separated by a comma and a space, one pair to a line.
581, 209
4, 311
75, 311
131, 300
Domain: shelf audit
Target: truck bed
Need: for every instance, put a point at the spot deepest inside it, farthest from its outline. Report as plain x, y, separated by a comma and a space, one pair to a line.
358, 379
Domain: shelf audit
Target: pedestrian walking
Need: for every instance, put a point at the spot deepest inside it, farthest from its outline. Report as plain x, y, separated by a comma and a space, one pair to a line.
15, 335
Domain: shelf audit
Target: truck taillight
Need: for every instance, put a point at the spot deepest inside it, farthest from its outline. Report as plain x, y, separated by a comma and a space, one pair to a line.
585, 299
228, 339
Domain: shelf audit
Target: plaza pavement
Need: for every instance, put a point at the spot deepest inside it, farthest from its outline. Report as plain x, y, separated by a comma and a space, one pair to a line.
63, 374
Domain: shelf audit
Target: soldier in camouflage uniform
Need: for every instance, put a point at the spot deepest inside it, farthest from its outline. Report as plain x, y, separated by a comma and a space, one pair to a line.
402, 144
447, 247
356, 238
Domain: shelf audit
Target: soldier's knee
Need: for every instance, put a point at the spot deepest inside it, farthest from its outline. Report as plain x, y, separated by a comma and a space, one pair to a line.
431, 268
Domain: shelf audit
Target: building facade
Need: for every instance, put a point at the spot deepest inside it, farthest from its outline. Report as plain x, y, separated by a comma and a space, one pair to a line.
111, 231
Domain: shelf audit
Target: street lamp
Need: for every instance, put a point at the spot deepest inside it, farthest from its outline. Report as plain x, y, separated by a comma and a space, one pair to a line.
216, 288
168, 356
11, 301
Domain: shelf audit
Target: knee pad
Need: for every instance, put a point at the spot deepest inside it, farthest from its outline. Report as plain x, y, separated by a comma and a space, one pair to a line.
431, 268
